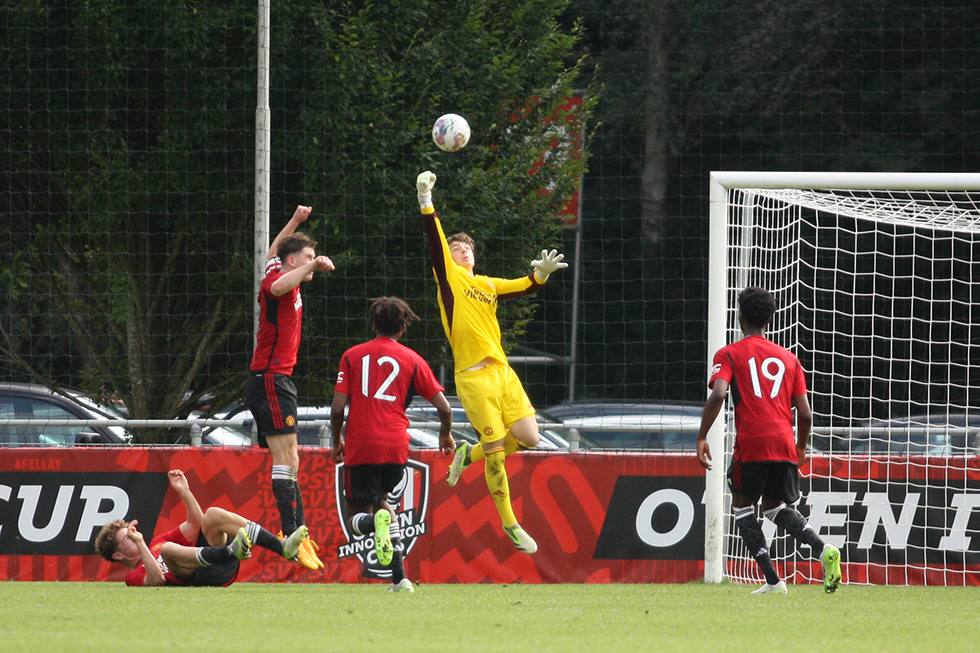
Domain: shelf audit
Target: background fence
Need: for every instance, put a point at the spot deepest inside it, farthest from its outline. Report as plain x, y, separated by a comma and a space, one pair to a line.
127, 138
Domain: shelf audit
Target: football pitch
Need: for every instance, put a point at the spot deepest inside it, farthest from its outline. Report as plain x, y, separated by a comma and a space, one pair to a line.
598, 618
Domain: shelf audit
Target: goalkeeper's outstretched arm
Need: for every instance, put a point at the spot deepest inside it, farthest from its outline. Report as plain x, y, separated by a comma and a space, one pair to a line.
550, 261
424, 183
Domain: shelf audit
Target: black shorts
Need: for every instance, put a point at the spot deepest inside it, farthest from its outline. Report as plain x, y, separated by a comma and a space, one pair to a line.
272, 400
219, 575
367, 485
774, 480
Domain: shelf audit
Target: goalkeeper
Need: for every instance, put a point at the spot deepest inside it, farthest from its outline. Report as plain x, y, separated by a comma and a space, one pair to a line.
492, 395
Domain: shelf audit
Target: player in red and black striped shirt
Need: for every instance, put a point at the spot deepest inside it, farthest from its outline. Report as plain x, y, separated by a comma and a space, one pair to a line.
766, 383
204, 551
376, 382
269, 390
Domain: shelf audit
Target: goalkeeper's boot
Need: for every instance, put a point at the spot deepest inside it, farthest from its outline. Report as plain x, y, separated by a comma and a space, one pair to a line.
458, 464
404, 585
521, 539
241, 546
831, 568
778, 588
307, 556
291, 544
383, 547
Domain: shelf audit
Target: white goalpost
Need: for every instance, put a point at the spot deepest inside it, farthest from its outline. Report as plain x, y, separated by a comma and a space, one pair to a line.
877, 282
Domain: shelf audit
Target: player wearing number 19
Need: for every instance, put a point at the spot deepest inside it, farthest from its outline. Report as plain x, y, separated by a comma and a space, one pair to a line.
378, 379
767, 383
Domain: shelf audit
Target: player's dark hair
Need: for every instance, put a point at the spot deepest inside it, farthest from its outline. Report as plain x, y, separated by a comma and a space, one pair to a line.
105, 541
461, 238
390, 315
757, 306
295, 242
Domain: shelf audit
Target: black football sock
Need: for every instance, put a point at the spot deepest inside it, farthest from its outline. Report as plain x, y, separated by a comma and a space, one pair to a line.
299, 516
397, 564
263, 537
213, 555
397, 557
282, 490
362, 523
750, 529
797, 526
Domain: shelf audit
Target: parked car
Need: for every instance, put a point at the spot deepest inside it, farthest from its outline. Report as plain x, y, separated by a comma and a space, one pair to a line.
656, 426
600, 407
653, 432
421, 409
35, 401
218, 436
312, 418
931, 434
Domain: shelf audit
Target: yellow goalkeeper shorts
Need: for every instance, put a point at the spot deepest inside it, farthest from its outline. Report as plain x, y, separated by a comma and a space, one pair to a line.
493, 398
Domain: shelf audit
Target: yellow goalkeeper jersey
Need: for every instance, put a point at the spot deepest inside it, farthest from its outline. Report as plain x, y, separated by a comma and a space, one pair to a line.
469, 304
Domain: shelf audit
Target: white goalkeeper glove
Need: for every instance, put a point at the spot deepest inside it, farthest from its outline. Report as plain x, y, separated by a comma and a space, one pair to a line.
548, 263
424, 183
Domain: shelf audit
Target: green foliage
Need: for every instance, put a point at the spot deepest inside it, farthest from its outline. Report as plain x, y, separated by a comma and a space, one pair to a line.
358, 135
128, 176
126, 229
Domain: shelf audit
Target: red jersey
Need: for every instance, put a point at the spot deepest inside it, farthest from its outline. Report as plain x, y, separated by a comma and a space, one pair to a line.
280, 326
137, 574
763, 379
380, 377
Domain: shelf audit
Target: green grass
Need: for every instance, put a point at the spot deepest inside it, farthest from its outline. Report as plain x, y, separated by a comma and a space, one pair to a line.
594, 618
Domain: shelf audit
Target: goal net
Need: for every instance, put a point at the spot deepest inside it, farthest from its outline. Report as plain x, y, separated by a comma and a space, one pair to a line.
877, 282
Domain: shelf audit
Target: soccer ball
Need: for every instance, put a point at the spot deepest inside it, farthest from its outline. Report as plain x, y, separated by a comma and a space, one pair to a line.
451, 133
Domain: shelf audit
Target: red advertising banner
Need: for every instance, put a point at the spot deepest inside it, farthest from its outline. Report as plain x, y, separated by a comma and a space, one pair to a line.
596, 517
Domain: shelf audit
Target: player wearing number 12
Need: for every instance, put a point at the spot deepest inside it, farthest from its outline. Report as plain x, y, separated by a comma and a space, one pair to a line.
767, 383
378, 379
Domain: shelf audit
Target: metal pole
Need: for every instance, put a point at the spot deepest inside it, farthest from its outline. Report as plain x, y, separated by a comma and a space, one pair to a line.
576, 291
576, 282
263, 146
714, 496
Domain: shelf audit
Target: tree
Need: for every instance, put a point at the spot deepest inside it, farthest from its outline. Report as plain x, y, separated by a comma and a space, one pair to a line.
691, 87
128, 175
126, 199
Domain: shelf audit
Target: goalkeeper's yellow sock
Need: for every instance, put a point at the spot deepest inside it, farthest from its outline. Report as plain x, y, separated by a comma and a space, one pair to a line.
499, 486
511, 445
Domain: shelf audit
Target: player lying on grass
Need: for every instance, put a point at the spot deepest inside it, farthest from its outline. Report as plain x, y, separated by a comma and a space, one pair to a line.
488, 388
195, 553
